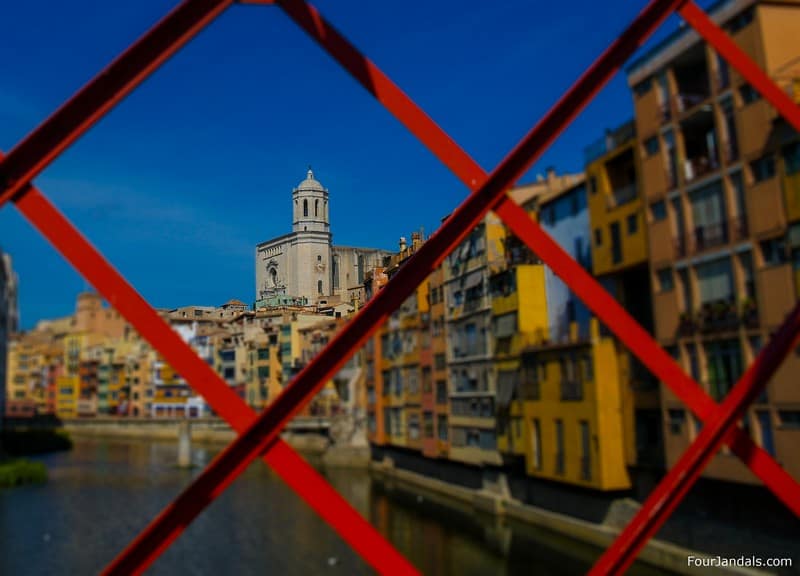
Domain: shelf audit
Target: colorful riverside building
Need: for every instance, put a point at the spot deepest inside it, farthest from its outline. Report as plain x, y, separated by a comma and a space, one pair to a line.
559, 394
720, 173
404, 344
468, 326
620, 262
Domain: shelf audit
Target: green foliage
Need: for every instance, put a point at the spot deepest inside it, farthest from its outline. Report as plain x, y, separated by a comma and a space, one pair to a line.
18, 472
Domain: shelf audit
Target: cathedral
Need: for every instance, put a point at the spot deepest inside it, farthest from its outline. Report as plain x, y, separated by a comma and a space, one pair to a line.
303, 267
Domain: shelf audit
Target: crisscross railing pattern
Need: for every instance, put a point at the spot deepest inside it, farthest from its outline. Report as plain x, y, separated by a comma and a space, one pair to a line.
259, 435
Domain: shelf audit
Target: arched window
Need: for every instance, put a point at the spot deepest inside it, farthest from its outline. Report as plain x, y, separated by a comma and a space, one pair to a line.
305, 207
316, 207
319, 286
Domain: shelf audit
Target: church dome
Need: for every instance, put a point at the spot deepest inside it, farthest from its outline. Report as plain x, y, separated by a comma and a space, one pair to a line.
310, 183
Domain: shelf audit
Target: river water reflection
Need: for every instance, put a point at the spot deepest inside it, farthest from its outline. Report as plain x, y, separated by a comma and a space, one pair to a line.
103, 492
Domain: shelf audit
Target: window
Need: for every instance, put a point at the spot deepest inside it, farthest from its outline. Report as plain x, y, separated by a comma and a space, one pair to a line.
592, 185
537, 444
616, 243
263, 371
336, 272
427, 424
588, 368
665, 280
441, 392
643, 87
724, 365
658, 211
715, 281
789, 419
586, 450
263, 353
677, 418
791, 158
559, 468
633, 224
316, 207
651, 146
319, 286
598, 237
441, 426
763, 168
749, 94
773, 251
740, 21
305, 207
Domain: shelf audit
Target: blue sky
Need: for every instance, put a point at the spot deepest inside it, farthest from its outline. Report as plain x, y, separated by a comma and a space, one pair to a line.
178, 184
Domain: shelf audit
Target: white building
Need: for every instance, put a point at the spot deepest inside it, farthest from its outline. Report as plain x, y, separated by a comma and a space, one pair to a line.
303, 267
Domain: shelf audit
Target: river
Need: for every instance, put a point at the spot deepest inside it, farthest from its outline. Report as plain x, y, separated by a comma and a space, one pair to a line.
103, 492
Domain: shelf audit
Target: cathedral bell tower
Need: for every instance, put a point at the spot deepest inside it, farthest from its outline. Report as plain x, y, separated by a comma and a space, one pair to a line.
310, 205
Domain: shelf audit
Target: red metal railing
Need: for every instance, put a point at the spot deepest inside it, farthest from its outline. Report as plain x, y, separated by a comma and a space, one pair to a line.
258, 435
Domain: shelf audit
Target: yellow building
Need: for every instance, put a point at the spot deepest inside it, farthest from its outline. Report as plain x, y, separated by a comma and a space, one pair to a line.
519, 310
620, 262
616, 213
572, 426
559, 384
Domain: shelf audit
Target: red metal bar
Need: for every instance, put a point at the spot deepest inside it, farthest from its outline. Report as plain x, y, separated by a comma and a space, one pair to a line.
295, 471
749, 70
675, 485
583, 284
28, 158
261, 434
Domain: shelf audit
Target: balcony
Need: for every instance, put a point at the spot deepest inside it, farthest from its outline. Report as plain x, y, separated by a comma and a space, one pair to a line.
691, 74
700, 144
699, 166
620, 196
686, 101
687, 325
776, 293
719, 316
666, 315
710, 236
765, 204
750, 314
755, 121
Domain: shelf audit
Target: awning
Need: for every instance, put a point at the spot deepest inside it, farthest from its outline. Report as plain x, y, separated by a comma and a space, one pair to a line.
505, 325
473, 279
506, 386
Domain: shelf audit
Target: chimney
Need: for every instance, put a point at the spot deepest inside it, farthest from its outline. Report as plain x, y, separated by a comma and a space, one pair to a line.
403, 244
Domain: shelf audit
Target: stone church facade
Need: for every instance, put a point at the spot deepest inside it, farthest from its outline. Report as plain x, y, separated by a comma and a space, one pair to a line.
303, 267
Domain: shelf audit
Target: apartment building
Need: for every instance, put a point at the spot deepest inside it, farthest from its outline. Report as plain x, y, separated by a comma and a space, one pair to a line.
719, 179
468, 319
